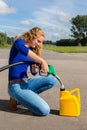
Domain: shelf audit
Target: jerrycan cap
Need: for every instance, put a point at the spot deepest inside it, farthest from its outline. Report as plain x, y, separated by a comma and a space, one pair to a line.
62, 89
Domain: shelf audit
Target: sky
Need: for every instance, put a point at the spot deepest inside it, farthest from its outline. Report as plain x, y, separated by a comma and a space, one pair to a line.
53, 16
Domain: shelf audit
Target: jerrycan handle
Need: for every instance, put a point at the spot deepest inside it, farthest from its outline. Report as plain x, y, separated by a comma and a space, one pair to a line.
78, 92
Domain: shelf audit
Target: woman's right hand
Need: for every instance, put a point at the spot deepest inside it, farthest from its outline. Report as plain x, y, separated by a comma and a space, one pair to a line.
44, 67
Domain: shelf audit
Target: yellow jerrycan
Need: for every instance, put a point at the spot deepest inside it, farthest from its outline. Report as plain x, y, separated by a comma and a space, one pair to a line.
70, 102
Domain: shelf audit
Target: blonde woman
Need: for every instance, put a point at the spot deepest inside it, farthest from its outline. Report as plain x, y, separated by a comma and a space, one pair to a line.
21, 88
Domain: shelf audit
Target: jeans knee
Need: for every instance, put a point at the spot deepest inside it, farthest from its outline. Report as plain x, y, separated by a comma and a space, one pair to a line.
45, 111
53, 80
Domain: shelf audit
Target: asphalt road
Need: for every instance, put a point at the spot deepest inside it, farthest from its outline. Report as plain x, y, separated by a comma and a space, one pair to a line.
72, 69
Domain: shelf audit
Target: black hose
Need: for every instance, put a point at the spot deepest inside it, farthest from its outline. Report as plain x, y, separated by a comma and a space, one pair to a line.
17, 63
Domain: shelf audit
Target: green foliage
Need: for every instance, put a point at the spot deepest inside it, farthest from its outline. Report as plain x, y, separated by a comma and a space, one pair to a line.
79, 28
66, 42
84, 41
4, 39
10, 40
48, 42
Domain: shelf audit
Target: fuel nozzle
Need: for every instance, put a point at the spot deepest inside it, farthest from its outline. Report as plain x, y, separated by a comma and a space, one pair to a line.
53, 72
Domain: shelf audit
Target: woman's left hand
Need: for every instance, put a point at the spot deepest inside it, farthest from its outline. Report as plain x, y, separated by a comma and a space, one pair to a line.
35, 68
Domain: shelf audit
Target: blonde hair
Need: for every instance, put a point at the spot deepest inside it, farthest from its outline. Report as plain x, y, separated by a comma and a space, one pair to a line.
31, 35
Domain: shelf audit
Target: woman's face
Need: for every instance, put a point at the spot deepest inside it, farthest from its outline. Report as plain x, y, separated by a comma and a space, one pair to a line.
36, 42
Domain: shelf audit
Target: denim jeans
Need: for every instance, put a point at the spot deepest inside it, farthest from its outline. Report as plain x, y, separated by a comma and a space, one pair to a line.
27, 93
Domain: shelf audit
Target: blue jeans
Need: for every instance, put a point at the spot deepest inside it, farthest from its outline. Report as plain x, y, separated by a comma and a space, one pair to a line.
27, 93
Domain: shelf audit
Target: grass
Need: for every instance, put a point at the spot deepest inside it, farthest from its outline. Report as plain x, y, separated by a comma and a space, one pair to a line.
60, 49
5, 46
66, 49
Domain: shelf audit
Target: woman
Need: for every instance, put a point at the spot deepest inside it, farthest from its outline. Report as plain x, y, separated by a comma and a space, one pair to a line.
21, 88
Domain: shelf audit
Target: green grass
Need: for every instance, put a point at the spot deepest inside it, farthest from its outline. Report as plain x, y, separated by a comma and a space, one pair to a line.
5, 46
61, 49
66, 49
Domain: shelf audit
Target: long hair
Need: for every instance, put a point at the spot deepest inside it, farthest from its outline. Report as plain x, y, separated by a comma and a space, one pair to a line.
31, 35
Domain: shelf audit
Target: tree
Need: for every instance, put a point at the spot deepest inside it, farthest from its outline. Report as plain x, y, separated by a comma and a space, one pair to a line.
10, 40
79, 28
3, 38
48, 42
66, 42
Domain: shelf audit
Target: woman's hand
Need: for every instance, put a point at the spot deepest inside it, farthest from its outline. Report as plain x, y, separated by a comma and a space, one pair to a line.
35, 68
44, 67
